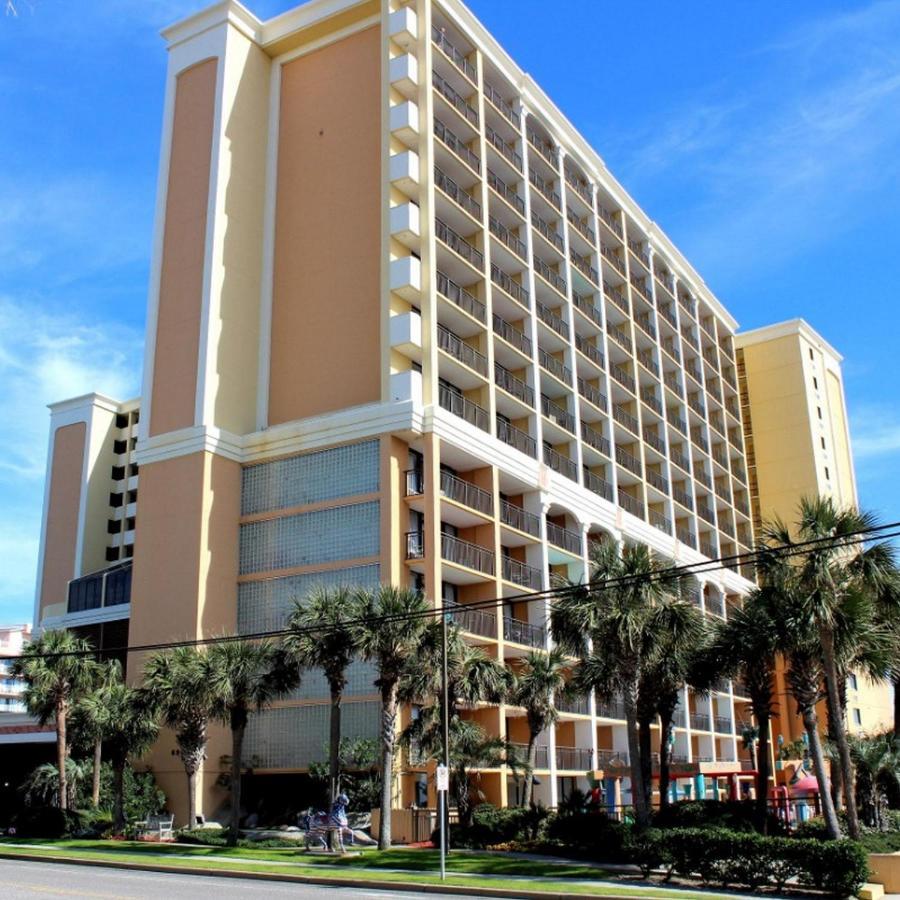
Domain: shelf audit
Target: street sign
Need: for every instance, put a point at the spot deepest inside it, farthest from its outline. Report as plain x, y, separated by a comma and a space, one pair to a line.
442, 777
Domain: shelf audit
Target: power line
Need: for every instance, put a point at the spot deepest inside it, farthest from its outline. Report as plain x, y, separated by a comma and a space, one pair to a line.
670, 573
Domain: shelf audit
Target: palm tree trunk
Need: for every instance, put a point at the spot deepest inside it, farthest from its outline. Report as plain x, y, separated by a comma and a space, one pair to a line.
638, 797
119, 795
388, 735
665, 751
832, 695
762, 770
528, 792
811, 724
645, 743
334, 747
238, 726
896, 681
461, 790
61, 752
192, 797
95, 788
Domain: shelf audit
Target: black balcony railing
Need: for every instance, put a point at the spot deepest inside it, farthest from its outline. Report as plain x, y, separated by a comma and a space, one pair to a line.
554, 366
657, 480
458, 243
550, 275
592, 395
507, 151
631, 504
584, 266
521, 574
560, 463
545, 190
512, 335
461, 297
580, 186
496, 98
616, 296
623, 417
574, 759
590, 350
520, 519
518, 632
594, 438
611, 709
700, 721
506, 192
598, 485
564, 538
552, 319
456, 347
456, 146
507, 238
622, 376
586, 305
611, 220
513, 288
658, 520
455, 488
557, 413
580, 706
517, 438
456, 193
621, 337
546, 149
455, 99
581, 227
474, 621
463, 407
460, 61
465, 553
547, 230
512, 385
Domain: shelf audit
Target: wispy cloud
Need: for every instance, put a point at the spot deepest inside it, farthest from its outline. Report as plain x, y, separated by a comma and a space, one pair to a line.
876, 433
755, 176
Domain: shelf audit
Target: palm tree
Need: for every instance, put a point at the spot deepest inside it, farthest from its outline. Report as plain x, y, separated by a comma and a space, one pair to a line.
616, 631
534, 687
826, 574
245, 677
130, 722
319, 638
180, 682
391, 631
746, 647
58, 670
89, 723
877, 762
41, 788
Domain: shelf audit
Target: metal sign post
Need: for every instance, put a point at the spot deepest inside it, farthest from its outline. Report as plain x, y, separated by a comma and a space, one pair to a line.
442, 778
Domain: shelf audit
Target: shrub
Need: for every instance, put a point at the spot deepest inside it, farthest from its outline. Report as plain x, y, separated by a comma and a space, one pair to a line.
46, 822
589, 834
727, 858
492, 826
736, 815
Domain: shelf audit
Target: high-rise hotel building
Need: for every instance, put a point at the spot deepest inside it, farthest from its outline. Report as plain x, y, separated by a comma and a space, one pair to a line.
404, 326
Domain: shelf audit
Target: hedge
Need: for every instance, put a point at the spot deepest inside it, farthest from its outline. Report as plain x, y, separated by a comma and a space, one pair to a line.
728, 858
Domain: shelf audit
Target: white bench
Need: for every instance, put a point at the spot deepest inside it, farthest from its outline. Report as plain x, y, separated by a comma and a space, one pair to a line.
159, 826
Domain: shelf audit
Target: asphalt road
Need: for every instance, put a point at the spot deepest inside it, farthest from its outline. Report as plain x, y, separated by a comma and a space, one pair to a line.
19, 880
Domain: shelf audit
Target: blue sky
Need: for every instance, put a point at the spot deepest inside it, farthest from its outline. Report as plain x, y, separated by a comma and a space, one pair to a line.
763, 138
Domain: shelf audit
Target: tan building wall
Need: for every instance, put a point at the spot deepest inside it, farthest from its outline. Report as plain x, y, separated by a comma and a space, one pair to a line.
327, 275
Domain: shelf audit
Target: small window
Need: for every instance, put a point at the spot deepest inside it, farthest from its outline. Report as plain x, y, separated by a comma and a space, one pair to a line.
129, 523
118, 473
819, 411
112, 526
133, 443
857, 717
852, 682
112, 554
827, 474
132, 496
122, 420
136, 416
128, 550
823, 442
120, 446
815, 382
811, 356
133, 469
116, 499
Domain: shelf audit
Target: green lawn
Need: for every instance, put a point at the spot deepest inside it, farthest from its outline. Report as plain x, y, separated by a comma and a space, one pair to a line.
419, 866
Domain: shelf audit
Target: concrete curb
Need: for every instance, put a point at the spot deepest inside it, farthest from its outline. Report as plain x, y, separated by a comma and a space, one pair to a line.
405, 886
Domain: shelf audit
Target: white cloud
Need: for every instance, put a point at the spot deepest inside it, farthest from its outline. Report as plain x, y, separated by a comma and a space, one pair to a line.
876, 433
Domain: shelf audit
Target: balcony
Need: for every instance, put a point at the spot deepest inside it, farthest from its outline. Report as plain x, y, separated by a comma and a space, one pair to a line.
521, 520
709, 549
661, 484
584, 266
683, 497
616, 296
552, 319
457, 194
723, 724
637, 283
668, 345
454, 346
466, 301
568, 540
457, 101
700, 721
545, 190
623, 417
620, 337
507, 151
560, 463
610, 219
586, 305
459, 244
547, 231
611, 709
464, 492
643, 322
550, 275
521, 574
680, 460
687, 335
715, 605
512, 288
439, 38
574, 759
705, 513
594, 439
506, 192
698, 439
678, 422
546, 150
623, 377
592, 395
541, 755
515, 386
579, 706
612, 759
461, 406
473, 621
673, 382
648, 395
598, 485
518, 632
512, 335
456, 146
613, 258
99, 590
496, 99
696, 404
581, 227
637, 249
554, 366
580, 187
631, 504
516, 438
557, 414
590, 350
464, 553
645, 358
507, 238
686, 536
702, 477
658, 520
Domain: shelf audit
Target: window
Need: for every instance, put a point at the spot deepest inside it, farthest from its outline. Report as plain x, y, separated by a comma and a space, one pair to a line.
128, 550
133, 469
857, 717
112, 527
132, 496
120, 446
118, 473
815, 382
827, 474
811, 353
133, 443
136, 416
852, 682
819, 411
115, 499
122, 420
823, 442
129, 523
112, 554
